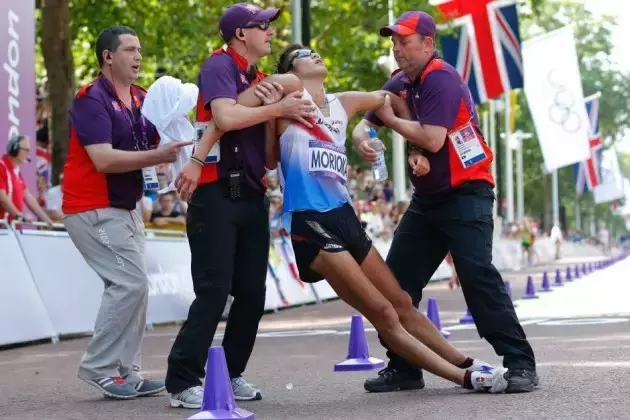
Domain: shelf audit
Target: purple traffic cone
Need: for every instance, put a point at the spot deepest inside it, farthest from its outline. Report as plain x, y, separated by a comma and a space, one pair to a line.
508, 290
218, 398
433, 313
577, 272
569, 278
546, 287
584, 269
558, 281
358, 350
467, 318
530, 292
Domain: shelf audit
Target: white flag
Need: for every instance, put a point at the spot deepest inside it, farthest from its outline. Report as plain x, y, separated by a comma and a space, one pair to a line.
553, 88
611, 187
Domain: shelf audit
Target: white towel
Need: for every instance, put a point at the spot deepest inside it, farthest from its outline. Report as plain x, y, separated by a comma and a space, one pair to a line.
166, 105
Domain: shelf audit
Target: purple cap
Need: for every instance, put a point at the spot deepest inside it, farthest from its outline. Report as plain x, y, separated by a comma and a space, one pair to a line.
416, 22
240, 14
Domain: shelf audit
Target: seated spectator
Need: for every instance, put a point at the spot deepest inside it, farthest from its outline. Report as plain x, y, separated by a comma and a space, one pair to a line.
167, 214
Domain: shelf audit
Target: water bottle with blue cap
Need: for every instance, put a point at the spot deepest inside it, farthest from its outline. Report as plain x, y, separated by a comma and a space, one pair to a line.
379, 168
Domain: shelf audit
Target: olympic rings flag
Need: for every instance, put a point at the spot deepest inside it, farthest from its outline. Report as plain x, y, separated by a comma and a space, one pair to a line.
553, 87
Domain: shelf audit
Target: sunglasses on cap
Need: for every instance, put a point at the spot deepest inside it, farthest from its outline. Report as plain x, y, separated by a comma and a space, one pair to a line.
305, 52
264, 25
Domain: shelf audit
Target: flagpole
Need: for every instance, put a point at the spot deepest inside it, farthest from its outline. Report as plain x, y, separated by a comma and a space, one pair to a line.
493, 147
578, 215
555, 200
509, 181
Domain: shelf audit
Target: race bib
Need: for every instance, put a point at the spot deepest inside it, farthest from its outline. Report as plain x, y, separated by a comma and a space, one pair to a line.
327, 159
467, 145
214, 155
150, 179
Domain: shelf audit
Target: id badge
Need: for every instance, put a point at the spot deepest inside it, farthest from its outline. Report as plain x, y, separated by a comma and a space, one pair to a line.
468, 146
150, 179
214, 155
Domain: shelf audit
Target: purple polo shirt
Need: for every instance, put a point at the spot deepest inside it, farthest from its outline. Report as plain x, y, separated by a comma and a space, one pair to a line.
224, 75
438, 96
97, 116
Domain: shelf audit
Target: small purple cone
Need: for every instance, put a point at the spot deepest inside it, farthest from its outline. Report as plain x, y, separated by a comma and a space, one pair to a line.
508, 290
584, 269
358, 358
558, 281
530, 292
577, 272
218, 398
569, 278
467, 319
546, 287
433, 313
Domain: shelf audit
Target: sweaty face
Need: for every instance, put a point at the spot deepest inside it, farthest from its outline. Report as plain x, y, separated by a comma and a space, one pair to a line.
412, 51
258, 37
307, 63
126, 59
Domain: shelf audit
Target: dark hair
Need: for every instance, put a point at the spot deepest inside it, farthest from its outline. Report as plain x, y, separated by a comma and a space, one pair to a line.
283, 61
109, 40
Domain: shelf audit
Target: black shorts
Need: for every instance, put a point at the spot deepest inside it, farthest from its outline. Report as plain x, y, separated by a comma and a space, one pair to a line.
336, 230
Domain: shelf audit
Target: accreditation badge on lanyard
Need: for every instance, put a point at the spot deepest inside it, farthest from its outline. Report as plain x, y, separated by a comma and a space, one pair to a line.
149, 175
467, 144
327, 160
214, 155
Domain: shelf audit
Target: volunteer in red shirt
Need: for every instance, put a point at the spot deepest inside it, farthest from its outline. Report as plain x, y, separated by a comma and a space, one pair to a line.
112, 155
451, 207
228, 214
13, 191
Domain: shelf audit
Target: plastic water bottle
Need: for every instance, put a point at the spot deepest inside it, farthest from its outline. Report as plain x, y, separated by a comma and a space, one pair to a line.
379, 168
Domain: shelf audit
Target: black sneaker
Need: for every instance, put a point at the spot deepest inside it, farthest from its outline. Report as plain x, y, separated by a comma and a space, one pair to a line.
521, 380
390, 380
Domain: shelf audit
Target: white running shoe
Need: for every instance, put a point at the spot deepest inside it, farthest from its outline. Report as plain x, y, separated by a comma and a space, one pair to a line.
479, 366
188, 398
492, 380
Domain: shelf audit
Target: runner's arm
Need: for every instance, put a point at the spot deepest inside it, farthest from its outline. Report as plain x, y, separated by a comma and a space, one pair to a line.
355, 102
248, 98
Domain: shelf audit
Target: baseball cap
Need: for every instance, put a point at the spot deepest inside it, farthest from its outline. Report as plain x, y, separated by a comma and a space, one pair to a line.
240, 14
415, 22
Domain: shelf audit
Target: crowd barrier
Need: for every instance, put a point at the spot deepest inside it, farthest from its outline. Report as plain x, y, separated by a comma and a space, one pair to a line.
47, 290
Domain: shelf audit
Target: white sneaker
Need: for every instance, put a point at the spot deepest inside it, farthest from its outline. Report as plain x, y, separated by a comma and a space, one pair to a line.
188, 398
479, 366
492, 381
244, 391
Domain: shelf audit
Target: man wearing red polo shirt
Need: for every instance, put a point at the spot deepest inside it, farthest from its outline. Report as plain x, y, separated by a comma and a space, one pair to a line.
111, 158
13, 191
228, 214
451, 207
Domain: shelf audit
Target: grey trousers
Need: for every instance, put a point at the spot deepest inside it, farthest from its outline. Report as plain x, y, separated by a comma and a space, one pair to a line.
112, 243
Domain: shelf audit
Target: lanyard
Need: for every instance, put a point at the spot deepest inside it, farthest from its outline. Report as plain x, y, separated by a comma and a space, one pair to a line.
143, 125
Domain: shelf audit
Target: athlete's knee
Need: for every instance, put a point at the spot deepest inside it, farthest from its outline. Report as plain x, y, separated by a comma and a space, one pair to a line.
384, 317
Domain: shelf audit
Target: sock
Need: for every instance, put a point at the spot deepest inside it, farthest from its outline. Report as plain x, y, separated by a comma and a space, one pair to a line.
467, 380
468, 363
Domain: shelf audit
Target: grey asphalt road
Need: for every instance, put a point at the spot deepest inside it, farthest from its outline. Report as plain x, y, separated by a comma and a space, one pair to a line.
583, 365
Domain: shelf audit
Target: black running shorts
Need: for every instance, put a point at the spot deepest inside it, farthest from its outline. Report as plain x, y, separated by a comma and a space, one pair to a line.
336, 230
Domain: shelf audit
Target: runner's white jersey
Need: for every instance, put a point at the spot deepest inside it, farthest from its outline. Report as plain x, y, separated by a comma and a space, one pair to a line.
314, 164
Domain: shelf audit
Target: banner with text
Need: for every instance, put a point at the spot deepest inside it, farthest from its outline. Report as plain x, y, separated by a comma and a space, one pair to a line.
17, 76
553, 88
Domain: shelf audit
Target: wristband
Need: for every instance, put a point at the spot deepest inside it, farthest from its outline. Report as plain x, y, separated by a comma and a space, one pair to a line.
197, 161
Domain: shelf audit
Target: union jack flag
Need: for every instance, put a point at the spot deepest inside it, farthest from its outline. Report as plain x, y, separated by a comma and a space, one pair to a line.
486, 45
588, 173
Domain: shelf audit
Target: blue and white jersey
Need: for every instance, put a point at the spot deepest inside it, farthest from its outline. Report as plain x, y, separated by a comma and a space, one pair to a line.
313, 163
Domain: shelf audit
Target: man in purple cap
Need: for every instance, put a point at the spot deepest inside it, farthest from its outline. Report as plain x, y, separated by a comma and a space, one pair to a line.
451, 207
228, 213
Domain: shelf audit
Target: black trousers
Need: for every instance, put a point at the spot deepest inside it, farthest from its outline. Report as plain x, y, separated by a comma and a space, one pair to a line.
229, 245
461, 223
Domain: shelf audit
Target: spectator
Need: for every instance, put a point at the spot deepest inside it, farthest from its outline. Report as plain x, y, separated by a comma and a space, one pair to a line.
13, 191
167, 214
53, 199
